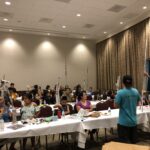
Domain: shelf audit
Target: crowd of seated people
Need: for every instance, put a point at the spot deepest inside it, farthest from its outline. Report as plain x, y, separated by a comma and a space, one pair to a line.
35, 96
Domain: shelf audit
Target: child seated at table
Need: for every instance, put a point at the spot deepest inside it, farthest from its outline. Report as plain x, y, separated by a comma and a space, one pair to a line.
28, 112
64, 106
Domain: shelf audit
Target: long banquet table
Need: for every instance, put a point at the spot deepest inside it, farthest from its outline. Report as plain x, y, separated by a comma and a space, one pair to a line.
73, 123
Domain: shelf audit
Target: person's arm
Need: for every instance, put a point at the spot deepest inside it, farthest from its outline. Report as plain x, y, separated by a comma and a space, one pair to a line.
91, 108
117, 101
116, 105
68, 110
78, 107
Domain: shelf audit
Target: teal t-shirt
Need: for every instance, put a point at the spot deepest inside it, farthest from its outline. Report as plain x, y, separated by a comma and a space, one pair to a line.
127, 99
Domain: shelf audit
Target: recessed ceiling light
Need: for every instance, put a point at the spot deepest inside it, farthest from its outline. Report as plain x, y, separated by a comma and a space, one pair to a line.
7, 3
105, 32
10, 30
84, 37
5, 19
78, 15
144, 7
121, 22
63, 27
48, 34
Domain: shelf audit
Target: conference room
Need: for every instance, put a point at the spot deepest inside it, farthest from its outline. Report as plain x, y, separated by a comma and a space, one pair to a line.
74, 74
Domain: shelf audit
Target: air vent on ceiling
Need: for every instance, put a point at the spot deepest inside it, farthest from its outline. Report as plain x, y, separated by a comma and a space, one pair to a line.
130, 16
45, 20
117, 8
88, 26
6, 14
64, 1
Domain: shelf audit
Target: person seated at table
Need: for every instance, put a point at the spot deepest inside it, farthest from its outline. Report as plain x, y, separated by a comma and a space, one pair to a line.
83, 102
63, 106
48, 99
53, 97
35, 90
28, 112
145, 99
12, 88
78, 90
67, 93
6, 115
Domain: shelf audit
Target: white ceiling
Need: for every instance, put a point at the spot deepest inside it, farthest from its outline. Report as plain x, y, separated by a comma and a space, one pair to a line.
25, 15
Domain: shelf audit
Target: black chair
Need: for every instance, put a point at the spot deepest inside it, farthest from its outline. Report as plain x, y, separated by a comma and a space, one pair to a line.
104, 106
45, 111
64, 136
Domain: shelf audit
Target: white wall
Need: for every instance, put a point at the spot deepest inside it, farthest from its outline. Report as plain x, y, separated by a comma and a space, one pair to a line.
33, 59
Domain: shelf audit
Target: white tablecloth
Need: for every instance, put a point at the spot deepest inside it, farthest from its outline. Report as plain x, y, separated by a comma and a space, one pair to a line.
109, 121
73, 124
143, 117
54, 127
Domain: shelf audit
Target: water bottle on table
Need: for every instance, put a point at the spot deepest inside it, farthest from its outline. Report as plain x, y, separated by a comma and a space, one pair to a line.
14, 117
109, 111
63, 114
1, 124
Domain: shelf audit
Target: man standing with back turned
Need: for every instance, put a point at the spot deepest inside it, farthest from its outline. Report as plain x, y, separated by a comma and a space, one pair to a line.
127, 100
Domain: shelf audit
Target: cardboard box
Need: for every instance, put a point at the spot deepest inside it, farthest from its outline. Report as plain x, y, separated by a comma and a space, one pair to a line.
123, 146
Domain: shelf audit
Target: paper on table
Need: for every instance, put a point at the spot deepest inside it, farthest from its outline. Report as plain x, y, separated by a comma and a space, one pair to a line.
16, 126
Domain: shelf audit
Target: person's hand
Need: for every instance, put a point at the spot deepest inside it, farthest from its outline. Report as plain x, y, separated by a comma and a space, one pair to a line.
146, 74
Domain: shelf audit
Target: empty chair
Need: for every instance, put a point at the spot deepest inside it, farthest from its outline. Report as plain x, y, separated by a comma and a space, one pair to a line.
105, 105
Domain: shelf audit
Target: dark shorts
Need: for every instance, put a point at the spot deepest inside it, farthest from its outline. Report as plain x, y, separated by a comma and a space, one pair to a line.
127, 134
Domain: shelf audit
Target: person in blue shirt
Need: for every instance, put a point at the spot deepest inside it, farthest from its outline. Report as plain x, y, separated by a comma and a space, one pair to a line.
127, 99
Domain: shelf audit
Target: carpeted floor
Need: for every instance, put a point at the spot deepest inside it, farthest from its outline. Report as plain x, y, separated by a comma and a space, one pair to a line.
96, 144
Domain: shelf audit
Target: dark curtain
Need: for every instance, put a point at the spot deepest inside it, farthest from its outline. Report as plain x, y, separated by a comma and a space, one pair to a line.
123, 54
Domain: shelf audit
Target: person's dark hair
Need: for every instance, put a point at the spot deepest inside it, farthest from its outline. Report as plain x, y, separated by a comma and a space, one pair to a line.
12, 84
81, 95
35, 86
109, 93
78, 90
27, 95
64, 98
47, 87
127, 80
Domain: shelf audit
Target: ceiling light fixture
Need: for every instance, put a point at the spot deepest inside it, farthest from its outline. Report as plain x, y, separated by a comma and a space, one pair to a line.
63, 27
84, 37
7, 3
105, 32
78, 15
10, 30
121, 22
5, 19
48, 34
144, 7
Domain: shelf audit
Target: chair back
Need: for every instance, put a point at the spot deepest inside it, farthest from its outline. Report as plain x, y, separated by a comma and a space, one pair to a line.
45, 111
105, 105
17, 103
